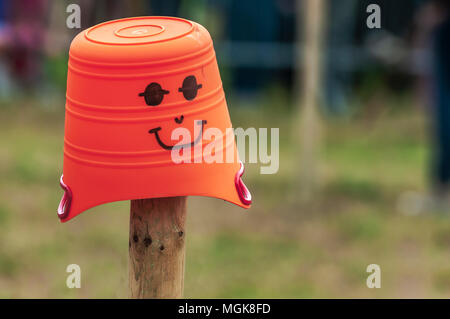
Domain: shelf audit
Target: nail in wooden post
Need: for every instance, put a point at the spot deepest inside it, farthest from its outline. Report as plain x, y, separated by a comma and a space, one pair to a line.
157, 247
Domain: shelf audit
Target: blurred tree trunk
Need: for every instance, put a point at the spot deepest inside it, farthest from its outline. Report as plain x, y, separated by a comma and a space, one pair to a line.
310, 16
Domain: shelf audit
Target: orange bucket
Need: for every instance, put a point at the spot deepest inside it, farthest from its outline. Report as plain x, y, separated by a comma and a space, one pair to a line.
131, 83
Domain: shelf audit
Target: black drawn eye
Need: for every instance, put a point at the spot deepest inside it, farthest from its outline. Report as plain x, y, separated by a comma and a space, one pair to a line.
153, 94
190, 87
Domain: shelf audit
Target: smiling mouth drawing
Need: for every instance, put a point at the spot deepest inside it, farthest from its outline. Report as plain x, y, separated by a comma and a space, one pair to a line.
170, 147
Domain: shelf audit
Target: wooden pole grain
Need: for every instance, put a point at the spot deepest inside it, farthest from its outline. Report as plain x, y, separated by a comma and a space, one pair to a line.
157, 247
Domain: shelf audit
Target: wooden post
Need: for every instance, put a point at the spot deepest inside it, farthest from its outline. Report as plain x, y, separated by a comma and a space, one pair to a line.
157, 247
311, 14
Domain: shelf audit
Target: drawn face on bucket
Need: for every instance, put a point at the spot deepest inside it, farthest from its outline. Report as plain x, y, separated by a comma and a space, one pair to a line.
154, 95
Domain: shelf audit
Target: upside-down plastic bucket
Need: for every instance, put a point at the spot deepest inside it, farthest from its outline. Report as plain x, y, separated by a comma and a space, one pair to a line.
139, 91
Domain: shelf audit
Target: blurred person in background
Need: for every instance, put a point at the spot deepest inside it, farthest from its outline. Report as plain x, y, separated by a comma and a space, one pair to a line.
24, 39
5, 85
441, 101
432, 38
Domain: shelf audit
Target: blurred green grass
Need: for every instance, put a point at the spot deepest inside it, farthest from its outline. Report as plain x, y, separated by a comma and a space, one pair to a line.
280, 248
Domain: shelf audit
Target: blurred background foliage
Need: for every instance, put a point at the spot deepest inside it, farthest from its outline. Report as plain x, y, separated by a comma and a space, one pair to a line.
376, 145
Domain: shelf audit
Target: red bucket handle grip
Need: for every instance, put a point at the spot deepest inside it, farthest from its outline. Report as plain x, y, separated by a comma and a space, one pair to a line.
64, 204
242, 190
